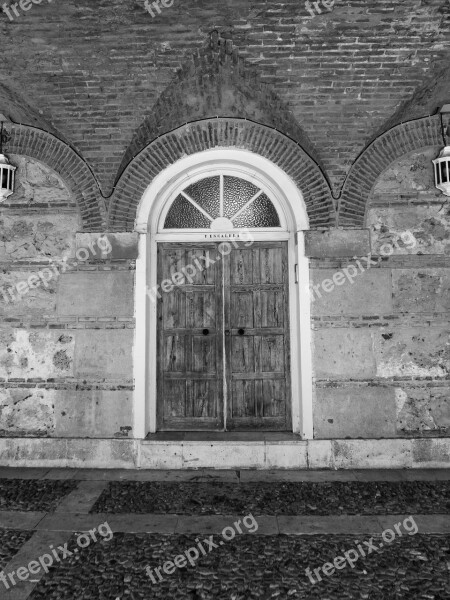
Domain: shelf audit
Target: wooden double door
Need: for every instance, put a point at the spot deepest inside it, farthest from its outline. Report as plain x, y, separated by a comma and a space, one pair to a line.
223, 337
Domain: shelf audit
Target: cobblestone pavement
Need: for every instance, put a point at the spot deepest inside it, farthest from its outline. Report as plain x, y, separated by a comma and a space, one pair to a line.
41, 494
265, 567
10, 543
286, 498
268, 563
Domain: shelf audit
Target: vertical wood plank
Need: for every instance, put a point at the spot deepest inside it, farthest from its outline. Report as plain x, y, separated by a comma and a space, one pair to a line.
189, 340
259, 361
227, 263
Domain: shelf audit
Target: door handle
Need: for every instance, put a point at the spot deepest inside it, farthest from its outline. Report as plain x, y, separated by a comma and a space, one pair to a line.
241, 331
205, 331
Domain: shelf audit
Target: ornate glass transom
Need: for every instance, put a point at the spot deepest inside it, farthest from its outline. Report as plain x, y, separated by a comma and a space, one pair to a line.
221, 202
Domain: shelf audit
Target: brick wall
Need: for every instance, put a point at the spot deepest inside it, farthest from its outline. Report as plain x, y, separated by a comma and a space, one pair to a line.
95, 69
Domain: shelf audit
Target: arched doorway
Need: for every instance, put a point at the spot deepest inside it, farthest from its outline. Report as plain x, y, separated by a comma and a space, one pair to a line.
218, 344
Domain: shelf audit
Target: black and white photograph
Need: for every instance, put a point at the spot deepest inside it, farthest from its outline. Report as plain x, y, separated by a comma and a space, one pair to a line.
225, 300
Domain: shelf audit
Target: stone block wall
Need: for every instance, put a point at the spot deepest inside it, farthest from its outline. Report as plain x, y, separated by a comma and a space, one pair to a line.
66, 316
381, 339
380, 306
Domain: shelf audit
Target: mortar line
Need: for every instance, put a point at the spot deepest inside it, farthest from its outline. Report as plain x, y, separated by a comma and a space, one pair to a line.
40, 521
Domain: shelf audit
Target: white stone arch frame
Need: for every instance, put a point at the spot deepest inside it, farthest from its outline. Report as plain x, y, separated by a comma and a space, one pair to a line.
293, 216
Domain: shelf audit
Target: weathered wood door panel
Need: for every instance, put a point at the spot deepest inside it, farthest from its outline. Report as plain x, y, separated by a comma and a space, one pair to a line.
190, 333
223, 340
257, 337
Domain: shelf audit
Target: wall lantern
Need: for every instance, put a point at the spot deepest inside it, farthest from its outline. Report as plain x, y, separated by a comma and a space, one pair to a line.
6, 169
442, 163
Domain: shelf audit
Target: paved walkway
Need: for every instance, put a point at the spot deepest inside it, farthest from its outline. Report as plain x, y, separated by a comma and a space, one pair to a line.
226, 475
72, 513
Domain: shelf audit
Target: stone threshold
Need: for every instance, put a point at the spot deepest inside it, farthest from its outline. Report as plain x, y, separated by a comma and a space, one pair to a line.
223, 436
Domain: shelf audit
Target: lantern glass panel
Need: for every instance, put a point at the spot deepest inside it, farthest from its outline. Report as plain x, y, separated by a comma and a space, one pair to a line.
4, 178
445, 171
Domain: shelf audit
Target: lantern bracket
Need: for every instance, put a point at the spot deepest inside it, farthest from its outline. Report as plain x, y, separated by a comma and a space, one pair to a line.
5, 136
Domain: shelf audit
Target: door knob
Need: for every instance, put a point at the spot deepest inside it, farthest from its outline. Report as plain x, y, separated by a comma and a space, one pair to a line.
205, 331
241, 331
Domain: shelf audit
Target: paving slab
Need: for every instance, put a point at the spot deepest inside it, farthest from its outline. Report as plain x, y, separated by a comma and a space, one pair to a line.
158, 475
226, 474
71, 522
127, 523
17, 519
197, 476
83, 498
294, 475
379, 475
166, 524
293, 525
402, 474
21, 591
426, 524
267, 525
61, 474
426, 474
38, 545
22, 473
184, 524
104, 474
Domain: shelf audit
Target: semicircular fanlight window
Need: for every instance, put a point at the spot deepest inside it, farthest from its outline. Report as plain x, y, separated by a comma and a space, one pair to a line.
222, 199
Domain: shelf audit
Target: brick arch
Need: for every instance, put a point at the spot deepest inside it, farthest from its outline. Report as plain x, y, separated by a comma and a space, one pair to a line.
45, 147
216, 81
377, 157
221, 132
